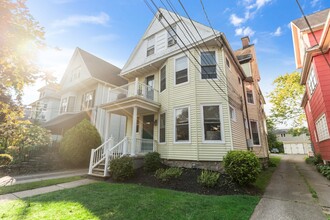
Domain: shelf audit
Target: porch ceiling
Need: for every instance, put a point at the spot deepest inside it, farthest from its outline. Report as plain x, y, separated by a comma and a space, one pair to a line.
125, 106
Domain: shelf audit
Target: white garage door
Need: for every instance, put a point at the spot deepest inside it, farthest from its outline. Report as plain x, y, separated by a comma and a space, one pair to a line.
294, 149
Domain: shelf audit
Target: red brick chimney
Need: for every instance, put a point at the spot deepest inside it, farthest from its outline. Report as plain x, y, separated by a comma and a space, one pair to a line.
245, 41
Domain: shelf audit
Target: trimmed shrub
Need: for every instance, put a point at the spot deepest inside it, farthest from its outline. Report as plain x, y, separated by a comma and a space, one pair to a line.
169, 173
121, 168
152, 162
324, 170
318, 159
242, 166
75, 147
309, 160
5, 159
208, 178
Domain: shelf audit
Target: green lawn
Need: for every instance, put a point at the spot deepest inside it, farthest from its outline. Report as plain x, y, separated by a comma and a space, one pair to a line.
128, 201
265, 175
38, 184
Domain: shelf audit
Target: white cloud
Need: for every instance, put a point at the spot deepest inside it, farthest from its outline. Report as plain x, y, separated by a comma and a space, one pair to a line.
255, 41
104, 38
278, 32
258, 4
314, 3
235, 20
76, 20
244, 32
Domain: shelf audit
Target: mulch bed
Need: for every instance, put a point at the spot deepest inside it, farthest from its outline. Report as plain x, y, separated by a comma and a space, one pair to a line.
187, 182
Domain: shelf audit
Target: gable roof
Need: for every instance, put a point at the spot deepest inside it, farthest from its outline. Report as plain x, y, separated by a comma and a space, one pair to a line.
101, 69
315, 20
156, 25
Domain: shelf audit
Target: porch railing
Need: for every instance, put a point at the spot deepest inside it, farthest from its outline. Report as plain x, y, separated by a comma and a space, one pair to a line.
133, 89
108, 151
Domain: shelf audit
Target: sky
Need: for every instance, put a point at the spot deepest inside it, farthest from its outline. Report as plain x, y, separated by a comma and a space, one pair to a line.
110, 29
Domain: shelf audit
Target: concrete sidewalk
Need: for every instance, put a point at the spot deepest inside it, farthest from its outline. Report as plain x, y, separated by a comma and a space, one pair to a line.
287, 196
43, 190
11, 180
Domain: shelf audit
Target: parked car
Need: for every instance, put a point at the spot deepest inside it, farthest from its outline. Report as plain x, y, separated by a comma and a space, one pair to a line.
275, 151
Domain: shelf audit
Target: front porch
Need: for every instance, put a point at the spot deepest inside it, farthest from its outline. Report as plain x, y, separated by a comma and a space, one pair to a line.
137, 102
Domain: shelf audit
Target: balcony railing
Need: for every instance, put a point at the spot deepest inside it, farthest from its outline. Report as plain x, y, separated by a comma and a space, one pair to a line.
133, 89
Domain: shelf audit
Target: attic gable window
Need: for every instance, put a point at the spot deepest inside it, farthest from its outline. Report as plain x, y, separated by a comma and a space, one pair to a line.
171, 36
151, 46
209, 64
75, 74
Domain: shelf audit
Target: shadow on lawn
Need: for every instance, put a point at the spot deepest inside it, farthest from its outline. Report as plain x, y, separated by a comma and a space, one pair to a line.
126, 201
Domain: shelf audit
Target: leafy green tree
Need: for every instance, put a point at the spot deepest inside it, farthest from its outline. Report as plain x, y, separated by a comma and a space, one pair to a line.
77, 142
286, 99
21, 36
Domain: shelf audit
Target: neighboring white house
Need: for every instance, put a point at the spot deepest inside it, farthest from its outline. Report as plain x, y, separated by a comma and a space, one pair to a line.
185, 99
294, 144
47, 106
84, 87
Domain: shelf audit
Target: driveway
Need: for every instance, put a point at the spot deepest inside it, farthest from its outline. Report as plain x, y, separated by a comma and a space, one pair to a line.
288, 195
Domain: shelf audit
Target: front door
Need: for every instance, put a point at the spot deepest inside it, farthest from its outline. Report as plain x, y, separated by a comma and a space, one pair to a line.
150, 87
147, 133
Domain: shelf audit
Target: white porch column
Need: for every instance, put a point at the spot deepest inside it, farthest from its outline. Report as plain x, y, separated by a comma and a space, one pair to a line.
134, 131
107, 122
136, 86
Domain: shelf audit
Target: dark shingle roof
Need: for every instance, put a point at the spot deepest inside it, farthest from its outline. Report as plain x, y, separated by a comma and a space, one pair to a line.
101, 69
315, 19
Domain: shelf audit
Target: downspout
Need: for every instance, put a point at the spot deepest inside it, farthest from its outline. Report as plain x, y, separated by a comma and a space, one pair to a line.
247, 114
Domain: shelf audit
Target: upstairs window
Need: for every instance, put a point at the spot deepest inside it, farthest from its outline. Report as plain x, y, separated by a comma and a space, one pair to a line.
232, 111
67, 104
151, 46
227, 63
88, 100
64, 105
75, 74
311, 81
163, 79
181, 70
171, 36
249, 95
209, 65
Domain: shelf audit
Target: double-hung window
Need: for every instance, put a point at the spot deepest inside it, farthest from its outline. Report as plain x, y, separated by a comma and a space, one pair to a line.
88, 100
209, 65
162, 123
182, 124
181, 70
255, 132
322, 128
64, 105
163, 79
211, 123
232, 111
150, 46
311, 82
171, 36
249, 95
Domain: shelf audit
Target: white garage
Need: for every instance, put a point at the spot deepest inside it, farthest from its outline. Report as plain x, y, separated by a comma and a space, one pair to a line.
295, 149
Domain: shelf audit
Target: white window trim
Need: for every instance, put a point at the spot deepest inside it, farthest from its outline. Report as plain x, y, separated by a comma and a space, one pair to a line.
253, 96
235, 115
159, 127
160, 78
174, 120
255, 145
326, 124
200, 66
174, 75
311, 92
93, 99
226, 58
222, 141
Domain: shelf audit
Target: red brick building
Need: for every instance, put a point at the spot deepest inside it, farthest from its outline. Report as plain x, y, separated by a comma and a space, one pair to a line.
312, 55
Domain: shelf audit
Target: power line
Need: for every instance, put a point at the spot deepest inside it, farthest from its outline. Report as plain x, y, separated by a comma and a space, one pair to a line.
311, 30
174, 31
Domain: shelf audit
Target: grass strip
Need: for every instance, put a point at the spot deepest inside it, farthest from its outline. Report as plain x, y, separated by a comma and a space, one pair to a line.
128, 201
310, 188
265, 175
38, 184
